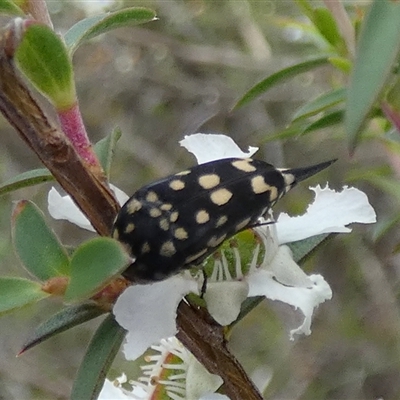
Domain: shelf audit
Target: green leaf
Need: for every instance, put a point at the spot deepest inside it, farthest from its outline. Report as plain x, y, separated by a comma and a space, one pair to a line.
93, 265
292, 131
98, 359
305, 7
36, 244
105, 148
303, 126
10, 8
26, 179
279, 77
43, 58
326, 25
321, 103
304, 248
387, 185
341, 63
326, 121
66, 319
385, 225
377, 51
91, 27
18, 292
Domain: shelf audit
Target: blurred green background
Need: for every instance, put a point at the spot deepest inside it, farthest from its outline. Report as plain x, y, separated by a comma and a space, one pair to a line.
180, 75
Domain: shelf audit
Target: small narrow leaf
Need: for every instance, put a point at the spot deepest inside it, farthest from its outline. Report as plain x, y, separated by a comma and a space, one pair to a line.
303, 248
278, 77
292, 131
98, 359
326, 121
36, 244
66, 319
321, 103
341, 63
305, 7
377, 51
26, 179
326, 25
10, 8
105, 150
91, 27
385, 225
93, 265
17, 292
43, 58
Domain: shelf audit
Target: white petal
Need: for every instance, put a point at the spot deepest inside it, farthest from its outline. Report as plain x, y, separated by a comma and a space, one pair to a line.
224, 300
262, 283
199, 381
63, 207
121, 196
262, 376
148, 312
208, 147
286, 271
330, 212
111, 392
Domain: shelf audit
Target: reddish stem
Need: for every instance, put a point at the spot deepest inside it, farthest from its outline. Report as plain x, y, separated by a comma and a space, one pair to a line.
72, 125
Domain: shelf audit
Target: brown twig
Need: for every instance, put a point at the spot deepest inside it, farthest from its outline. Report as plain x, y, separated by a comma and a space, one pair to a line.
205, 339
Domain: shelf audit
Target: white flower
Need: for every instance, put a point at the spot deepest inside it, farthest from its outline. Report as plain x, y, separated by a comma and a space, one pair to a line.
278, 277
172, 371
148, 312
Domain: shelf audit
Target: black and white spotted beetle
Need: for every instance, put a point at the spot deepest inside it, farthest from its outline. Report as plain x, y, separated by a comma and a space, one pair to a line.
176, 222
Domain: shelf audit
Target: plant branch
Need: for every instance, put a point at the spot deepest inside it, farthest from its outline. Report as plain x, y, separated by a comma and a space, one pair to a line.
205, 339
51, 145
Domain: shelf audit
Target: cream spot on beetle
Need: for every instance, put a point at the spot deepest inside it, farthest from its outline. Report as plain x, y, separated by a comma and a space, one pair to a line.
130, 227
177, 184
273, 196
202, 217
145, 248
152, 197
166, 206
221, 196
155, 212
216, 240
167, 249
242, 224
221, 221
180, 233
116, 234
133, 206
174, 216
209, 181
182, 173
259, 185
195, 256
164, 224
244, 165
288, 177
